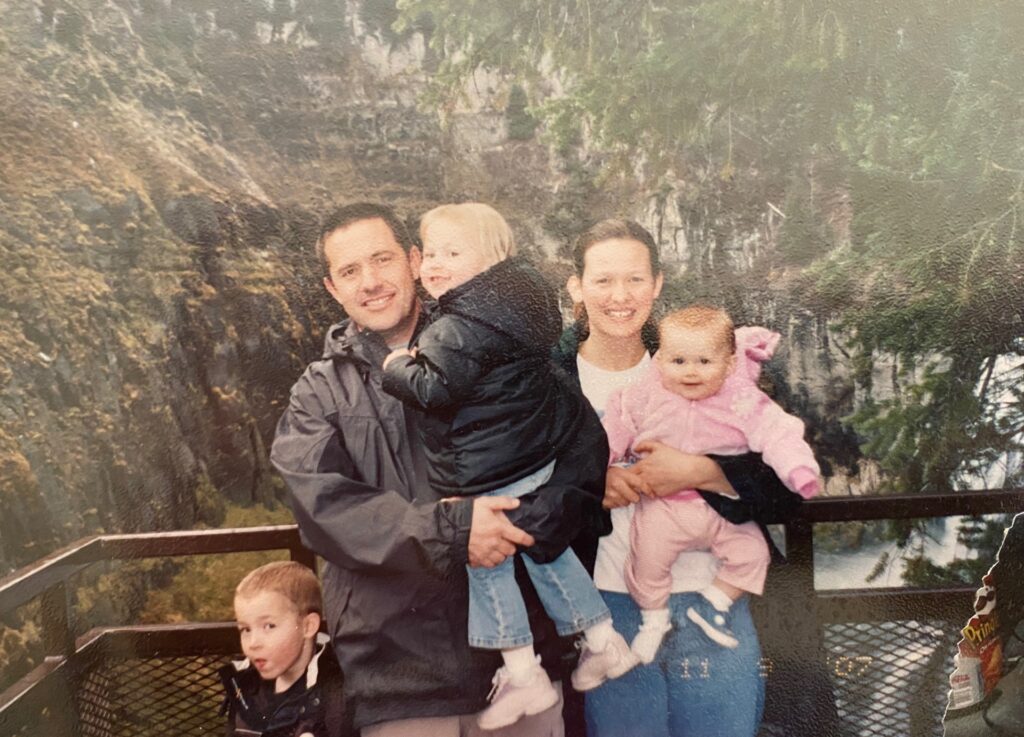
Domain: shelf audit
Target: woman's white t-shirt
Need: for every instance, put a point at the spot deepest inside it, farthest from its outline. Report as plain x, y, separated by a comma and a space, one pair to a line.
692, 570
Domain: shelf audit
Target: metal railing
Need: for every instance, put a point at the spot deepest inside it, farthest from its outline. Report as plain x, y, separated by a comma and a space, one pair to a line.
53, 686
56, 686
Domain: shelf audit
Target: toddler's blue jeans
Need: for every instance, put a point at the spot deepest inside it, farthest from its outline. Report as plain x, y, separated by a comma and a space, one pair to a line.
497, 614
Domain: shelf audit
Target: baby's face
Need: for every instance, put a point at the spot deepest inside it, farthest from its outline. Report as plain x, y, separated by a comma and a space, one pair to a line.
449, 258
694, 362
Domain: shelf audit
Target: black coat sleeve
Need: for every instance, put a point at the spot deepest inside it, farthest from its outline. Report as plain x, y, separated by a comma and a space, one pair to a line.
451, 355
763, 498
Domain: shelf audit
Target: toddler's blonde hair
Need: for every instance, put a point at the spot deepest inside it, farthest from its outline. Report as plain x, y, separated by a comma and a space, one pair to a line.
489, 232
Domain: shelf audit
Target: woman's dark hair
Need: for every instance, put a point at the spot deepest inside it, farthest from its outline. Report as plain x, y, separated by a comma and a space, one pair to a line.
614, 228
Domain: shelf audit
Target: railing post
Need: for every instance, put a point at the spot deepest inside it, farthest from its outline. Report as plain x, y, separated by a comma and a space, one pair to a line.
55, 609
305, 556
800, 557
59, 642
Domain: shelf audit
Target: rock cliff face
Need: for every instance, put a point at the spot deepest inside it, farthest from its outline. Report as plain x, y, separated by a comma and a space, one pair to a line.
162, 164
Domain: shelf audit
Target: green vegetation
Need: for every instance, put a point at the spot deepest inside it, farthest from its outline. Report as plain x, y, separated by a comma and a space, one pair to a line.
203, 587
885, 137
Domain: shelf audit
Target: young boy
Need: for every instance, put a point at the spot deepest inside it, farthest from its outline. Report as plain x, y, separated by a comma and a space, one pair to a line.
289, 684
497, 418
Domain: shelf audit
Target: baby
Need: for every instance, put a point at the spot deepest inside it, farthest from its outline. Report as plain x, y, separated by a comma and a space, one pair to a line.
289, 684
701, 396
497, 419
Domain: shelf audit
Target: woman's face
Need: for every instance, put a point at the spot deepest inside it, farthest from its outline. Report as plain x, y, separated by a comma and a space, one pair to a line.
617, 287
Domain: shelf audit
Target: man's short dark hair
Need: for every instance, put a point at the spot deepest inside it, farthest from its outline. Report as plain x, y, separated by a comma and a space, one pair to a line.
348, 214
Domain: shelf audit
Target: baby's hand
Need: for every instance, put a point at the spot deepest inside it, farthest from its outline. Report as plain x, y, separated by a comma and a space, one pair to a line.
399, 352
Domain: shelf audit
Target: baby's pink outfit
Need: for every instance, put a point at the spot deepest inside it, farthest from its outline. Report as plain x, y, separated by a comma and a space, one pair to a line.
738, 419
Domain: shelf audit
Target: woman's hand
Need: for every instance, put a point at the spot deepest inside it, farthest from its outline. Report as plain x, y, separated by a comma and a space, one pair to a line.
622, 487
665, 470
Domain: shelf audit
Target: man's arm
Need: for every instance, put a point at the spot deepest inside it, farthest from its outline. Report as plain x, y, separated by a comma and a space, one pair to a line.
357, 525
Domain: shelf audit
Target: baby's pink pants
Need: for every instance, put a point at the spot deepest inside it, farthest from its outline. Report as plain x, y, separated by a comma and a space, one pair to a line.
664, 528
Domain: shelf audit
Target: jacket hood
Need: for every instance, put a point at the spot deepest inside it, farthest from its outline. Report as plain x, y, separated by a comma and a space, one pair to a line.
511, 298
345, 340
342, 339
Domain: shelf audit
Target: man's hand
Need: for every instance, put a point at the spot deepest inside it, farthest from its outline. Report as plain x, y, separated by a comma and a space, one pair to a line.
666, 470
492, 538
622, 487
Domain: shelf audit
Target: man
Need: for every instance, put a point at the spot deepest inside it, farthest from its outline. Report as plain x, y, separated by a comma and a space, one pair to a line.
395, 585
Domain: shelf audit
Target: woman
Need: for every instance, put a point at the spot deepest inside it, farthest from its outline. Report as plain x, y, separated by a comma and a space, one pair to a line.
694, 688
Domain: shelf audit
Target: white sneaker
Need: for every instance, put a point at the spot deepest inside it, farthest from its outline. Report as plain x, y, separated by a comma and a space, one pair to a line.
511, 701
647, 641
596, 667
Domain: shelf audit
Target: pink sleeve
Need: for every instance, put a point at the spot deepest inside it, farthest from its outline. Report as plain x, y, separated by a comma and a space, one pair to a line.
619, 426
754, 346
779, 438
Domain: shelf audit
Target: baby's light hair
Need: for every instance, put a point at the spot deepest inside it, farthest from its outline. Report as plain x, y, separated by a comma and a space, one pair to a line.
703, 317
294, 581
493, 236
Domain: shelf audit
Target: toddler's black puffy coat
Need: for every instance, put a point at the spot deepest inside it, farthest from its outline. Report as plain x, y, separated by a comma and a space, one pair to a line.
497, 408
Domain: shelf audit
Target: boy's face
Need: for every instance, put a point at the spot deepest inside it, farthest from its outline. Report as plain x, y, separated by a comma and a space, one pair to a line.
694, 362
275, 636
449, 260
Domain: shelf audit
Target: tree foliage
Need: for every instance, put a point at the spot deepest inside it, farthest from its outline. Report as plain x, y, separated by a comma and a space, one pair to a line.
892, 135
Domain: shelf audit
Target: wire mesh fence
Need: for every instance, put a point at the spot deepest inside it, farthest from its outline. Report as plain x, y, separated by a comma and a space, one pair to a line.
890, 680
152, 697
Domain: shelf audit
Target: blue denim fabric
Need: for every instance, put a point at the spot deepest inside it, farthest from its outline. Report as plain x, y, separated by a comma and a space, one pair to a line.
694, 688
497, 615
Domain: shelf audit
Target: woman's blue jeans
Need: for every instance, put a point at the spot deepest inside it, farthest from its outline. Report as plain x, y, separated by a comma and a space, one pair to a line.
497, 614
694, 687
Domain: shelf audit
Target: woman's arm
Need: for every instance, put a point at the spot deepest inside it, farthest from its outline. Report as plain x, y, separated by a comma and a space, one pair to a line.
740, 488
665, 470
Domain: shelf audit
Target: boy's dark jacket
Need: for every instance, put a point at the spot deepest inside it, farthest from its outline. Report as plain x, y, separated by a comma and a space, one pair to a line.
314, 704
496, 409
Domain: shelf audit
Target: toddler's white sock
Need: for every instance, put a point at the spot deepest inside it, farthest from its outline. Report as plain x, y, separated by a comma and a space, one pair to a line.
718, 598
599, 634
656, 623
655, 617
520, 662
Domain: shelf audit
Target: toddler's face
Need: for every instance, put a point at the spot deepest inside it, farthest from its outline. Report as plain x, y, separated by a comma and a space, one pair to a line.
273, 634
449, 258
694, 362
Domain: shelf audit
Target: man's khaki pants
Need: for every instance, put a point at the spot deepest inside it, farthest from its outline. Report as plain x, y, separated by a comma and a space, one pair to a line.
546, 724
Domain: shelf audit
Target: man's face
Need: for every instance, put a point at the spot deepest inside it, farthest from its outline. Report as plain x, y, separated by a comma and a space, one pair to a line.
373, 278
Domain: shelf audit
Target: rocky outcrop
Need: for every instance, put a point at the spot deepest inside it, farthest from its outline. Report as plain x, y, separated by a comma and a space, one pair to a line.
162, 165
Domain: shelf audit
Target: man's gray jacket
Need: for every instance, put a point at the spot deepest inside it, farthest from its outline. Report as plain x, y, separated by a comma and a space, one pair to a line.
395, 590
